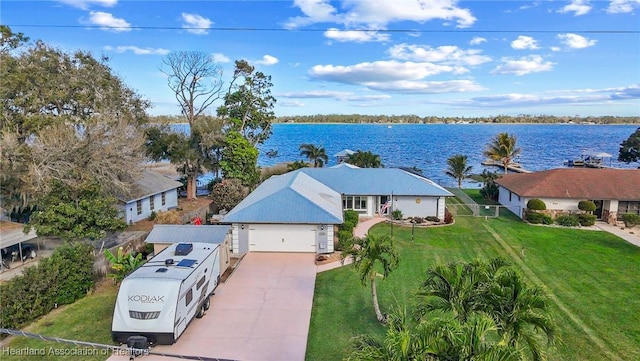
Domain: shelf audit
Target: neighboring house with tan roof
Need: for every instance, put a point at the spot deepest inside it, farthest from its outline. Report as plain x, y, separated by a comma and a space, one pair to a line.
614, 191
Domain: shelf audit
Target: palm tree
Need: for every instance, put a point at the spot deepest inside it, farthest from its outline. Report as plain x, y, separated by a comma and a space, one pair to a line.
368, 254
496, 289
364, 160
441, 337
502, 148
297, 165
520, 312
315, 154
458, 168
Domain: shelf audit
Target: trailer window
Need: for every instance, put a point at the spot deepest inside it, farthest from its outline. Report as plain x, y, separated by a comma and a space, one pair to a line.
200, 283
189, 297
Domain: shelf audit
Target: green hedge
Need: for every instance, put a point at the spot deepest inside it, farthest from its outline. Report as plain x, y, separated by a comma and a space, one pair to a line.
63, 278
568, 220
587, 219
631, 219
538, 218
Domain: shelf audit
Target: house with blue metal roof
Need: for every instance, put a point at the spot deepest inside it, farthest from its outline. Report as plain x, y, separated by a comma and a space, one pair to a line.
298, 211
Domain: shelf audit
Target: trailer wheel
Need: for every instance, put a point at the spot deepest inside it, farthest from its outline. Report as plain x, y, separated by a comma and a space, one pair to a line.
200, 312
207, 303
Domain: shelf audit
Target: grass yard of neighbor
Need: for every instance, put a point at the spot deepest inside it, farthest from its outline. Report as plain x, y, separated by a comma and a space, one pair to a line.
592, 278
88, 319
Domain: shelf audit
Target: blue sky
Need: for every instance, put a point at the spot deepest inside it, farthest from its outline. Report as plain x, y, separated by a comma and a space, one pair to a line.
423, 57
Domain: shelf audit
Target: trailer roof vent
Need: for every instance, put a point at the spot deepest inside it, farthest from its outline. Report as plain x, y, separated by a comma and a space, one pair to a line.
184, 249
168, 261
162, 270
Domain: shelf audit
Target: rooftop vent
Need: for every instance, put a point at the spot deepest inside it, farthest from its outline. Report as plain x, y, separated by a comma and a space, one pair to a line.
184, 249
168, 261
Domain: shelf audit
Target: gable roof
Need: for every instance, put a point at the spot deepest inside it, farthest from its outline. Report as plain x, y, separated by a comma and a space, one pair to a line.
577, 183
351, 180
293, 197
175, 233
150, 183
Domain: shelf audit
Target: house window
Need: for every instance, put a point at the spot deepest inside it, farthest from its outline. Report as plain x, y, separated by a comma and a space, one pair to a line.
628, 207
355, 203
139, 207
510, 196
152, 202
164, 199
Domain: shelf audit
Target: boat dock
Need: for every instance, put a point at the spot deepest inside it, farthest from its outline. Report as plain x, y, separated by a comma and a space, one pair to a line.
513, 167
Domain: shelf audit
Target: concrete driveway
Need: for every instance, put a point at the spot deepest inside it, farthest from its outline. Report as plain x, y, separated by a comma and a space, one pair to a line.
261, 313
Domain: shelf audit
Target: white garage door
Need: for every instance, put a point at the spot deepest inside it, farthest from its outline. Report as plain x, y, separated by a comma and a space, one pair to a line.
282, 238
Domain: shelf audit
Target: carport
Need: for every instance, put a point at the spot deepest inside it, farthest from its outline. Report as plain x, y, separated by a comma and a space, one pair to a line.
12, 234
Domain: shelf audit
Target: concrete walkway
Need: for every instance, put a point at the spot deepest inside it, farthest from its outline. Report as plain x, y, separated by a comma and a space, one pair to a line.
631, 235
361, 230
261, 313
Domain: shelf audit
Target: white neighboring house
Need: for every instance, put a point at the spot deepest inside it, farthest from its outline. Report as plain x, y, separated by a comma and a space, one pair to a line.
153, 192
298, 211
614, 191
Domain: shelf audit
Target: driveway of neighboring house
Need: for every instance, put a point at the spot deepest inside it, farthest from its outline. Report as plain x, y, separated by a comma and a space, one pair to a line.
261, 313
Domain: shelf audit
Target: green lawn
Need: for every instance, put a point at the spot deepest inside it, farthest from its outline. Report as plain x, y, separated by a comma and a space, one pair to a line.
88, 319
592, 278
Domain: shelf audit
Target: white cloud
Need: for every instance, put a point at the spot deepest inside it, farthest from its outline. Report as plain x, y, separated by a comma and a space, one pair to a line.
338, 95
623, 6
394, 76
268, 60
577, 7
378, 14
428, 87
523, 66
444, 54
292, 104
85, 4
220, 58
575, 41
137, 50
477, 40
196, 24
525, 42
561, 97
107, 21
378, 71
355, 36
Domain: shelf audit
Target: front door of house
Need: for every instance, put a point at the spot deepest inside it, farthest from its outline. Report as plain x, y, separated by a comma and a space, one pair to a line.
598, 211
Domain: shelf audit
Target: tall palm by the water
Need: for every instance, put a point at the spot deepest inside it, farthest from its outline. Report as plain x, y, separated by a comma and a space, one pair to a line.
317, 155
503, 149
458, 168
369, 254
365, 159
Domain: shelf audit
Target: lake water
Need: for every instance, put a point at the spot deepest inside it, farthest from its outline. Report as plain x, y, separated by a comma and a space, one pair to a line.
427, 146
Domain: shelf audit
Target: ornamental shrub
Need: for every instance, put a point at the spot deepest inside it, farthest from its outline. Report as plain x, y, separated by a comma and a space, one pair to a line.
432, 219
351, 219
396, 215
587, 219
536, 204
631, 219
448, 217
568, 220
587, 206
534, 217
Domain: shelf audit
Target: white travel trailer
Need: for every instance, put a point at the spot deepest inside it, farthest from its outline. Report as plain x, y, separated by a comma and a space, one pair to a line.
159, 299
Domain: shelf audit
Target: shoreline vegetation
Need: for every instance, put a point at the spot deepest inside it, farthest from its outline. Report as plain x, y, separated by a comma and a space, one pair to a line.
414, 119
